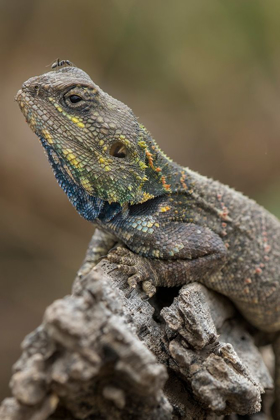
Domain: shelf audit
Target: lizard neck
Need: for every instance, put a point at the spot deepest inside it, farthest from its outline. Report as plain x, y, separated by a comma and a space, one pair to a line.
164, 175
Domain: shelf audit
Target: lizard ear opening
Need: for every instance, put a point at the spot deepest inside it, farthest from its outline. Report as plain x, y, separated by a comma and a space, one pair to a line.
118, 150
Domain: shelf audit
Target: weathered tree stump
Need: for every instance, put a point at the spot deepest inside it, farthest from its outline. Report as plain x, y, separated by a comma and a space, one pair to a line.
106, 352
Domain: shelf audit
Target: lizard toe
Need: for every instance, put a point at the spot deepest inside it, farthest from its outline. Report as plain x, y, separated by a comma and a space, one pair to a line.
149, 288
126, 269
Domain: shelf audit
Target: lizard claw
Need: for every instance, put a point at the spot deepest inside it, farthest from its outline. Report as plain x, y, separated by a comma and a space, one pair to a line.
136, 267
132, 282
149, 288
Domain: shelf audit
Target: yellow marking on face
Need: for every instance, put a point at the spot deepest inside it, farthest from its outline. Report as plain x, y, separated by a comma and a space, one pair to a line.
47, 136
77, 122
101, 142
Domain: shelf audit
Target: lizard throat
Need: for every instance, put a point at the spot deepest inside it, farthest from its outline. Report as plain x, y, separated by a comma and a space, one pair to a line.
88, 207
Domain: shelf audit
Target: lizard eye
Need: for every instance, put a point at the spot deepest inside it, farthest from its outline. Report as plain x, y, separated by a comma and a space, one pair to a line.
75, 99
118, 150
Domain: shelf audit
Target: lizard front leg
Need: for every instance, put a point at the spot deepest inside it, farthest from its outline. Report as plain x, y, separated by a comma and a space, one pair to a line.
100, 244
153, 273
174, 254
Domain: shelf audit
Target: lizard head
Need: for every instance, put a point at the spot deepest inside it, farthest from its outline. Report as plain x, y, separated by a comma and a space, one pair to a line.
92, 140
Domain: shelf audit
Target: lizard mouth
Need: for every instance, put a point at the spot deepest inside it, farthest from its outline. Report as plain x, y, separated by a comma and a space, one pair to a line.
25, 102
21, 99
18, 95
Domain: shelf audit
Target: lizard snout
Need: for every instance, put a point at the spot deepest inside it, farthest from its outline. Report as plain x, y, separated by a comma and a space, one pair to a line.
34, 87
31, 86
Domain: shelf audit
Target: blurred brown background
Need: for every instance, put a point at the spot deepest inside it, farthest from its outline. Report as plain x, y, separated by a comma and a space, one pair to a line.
203, 76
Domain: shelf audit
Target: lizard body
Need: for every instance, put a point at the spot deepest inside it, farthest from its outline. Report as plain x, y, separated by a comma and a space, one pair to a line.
186, 227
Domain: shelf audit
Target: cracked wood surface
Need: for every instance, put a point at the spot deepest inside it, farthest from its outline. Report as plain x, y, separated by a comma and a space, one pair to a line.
106, 352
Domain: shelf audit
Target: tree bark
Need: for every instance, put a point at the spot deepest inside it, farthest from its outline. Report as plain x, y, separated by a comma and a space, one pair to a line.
106, 352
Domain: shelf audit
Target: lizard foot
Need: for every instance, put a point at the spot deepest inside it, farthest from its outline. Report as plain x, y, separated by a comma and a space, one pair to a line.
136, 267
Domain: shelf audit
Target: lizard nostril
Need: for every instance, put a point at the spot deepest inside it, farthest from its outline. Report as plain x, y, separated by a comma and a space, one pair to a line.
32, 86
33, 89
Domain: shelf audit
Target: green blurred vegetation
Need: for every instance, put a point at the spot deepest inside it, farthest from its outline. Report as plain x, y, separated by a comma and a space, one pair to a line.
204, 77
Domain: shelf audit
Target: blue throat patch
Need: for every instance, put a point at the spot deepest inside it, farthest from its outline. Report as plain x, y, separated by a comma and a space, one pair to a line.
90, 208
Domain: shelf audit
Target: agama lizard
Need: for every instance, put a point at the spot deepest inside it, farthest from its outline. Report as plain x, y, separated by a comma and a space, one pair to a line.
177, 225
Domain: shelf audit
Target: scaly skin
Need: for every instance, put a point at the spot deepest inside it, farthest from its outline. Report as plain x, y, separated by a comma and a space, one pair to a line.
185, 226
